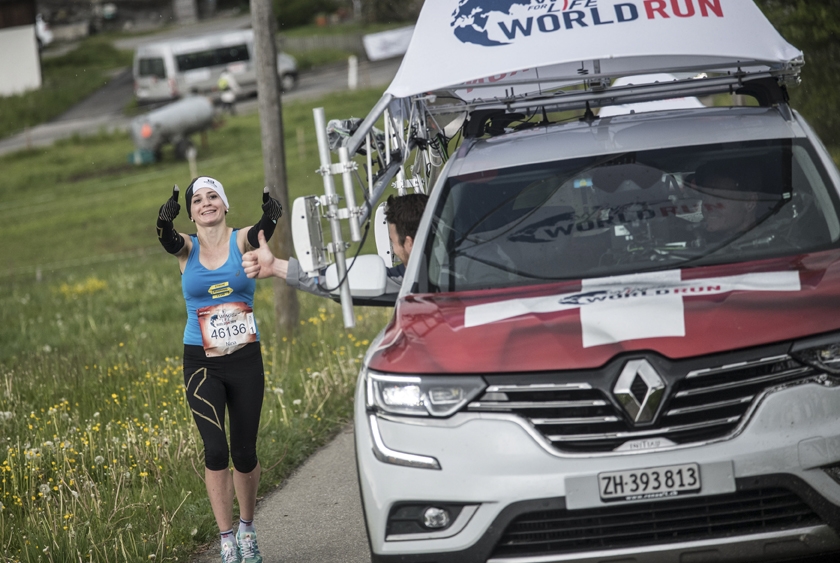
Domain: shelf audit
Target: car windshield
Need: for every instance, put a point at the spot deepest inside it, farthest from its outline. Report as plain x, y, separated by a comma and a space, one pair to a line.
630, 212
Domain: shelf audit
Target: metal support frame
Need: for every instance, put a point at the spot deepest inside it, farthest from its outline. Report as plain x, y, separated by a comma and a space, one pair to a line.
331, 201
578, 99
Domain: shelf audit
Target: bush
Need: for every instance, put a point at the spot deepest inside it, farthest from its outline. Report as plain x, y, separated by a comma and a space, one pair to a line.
295, 13
813, 27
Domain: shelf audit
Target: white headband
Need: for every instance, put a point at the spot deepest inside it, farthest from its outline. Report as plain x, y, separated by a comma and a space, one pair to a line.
208, 183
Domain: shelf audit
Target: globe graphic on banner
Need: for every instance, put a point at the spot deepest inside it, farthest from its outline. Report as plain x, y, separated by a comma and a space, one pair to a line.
469, 20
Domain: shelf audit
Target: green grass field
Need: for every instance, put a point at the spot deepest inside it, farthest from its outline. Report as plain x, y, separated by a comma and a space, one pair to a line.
99, 458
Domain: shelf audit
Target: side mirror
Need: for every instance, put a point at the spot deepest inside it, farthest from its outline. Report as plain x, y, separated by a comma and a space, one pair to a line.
368, 278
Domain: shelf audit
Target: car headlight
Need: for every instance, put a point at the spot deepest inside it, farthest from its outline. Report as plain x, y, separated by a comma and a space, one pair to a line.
421, 395
822, 353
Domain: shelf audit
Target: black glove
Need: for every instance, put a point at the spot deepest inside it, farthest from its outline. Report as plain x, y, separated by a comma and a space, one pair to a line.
272, 210
169, 238
170, 209
271, 207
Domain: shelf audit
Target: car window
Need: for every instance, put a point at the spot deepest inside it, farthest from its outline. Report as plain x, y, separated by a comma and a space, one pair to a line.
151, 67
630, 212
212, 57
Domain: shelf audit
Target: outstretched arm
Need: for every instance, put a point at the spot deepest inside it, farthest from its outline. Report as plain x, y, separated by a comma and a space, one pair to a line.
261, 263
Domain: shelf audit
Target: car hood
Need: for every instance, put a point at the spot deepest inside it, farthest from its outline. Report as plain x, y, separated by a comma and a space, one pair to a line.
583, 324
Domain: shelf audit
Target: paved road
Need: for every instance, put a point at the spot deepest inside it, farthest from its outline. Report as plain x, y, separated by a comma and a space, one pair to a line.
102, 111
316, 515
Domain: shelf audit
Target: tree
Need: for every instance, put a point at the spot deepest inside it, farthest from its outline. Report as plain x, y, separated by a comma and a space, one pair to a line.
295, 13
390, 11
813, 26
286, 305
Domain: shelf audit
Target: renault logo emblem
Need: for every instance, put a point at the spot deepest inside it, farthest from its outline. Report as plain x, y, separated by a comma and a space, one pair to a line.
640, 390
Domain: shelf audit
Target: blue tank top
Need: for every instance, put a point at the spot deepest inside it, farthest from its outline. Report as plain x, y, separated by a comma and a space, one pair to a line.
203, 287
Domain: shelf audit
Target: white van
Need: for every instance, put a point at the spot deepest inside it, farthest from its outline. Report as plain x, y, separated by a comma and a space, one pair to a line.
170, 69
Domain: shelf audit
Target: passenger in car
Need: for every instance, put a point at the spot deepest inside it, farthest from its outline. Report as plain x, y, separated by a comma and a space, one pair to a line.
403, 215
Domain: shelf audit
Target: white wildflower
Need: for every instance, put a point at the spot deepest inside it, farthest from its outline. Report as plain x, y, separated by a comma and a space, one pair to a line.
297, 402
99, 460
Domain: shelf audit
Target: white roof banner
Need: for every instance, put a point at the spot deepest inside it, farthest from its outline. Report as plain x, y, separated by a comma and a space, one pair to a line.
473, 42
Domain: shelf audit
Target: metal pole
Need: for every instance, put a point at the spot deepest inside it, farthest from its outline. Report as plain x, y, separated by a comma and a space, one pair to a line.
352, 72
332, 214
401, 191
387, 137
349, 194
369, 164
365, 127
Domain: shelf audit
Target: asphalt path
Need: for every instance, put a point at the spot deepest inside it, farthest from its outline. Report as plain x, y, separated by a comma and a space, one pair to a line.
315, 516
103, 110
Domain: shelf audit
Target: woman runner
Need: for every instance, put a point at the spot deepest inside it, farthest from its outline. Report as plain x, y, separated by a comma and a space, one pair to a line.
222, 360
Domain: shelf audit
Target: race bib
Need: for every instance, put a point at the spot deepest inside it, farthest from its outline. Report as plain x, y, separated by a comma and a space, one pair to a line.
227, 327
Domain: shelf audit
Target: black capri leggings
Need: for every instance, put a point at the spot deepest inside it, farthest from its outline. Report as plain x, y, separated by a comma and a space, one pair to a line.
236, 381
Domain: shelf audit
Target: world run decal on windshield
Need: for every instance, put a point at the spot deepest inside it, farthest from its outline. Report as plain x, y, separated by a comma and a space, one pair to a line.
503, 22
631, 307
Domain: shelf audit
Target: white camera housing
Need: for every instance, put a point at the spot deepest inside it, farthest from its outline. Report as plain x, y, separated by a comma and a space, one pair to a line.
308, 235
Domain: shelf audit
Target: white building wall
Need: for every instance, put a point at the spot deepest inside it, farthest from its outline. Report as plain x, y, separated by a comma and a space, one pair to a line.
20, 66
186, 11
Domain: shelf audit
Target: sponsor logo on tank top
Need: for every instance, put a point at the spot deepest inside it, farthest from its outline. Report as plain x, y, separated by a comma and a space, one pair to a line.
220, 290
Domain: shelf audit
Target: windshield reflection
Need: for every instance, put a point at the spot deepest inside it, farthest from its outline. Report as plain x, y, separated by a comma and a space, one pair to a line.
630, 212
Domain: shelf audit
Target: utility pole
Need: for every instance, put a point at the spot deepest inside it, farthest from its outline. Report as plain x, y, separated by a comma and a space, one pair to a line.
286, 305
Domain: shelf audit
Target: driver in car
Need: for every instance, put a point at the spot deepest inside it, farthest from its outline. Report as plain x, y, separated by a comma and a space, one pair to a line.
729, 198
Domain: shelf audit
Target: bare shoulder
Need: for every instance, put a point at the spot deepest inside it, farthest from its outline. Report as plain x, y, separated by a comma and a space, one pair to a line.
242, 240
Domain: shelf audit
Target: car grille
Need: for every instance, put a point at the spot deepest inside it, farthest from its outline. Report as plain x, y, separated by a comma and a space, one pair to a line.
704, 405
672, 521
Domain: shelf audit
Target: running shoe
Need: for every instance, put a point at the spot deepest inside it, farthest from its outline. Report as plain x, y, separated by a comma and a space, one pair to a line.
248, 550
229, 553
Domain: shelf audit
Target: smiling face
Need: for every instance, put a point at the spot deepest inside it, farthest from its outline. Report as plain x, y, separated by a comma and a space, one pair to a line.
207, 208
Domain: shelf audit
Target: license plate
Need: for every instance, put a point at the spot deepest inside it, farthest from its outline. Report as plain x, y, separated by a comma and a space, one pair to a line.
652, 483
